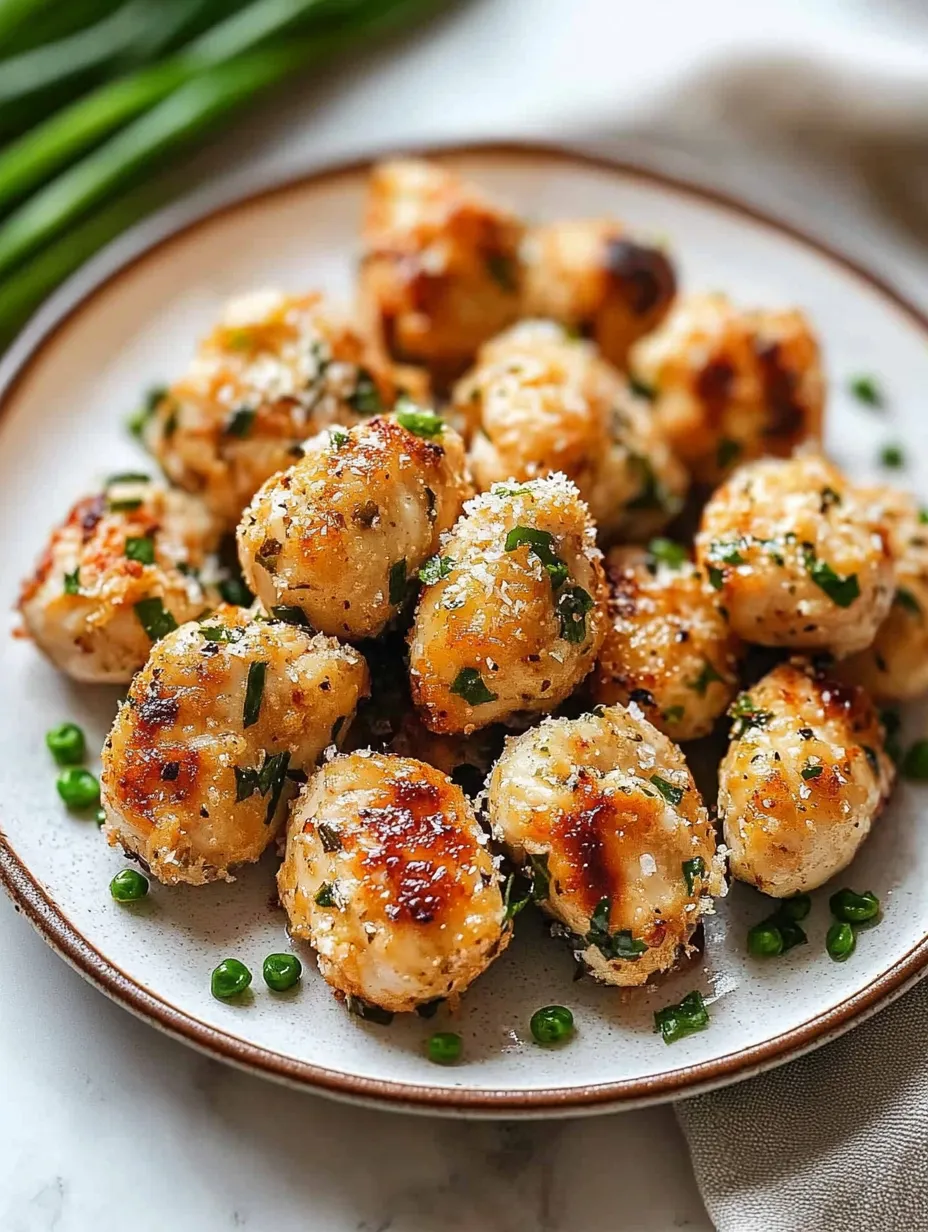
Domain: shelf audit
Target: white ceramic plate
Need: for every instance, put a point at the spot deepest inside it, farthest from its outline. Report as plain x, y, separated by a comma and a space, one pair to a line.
62, 430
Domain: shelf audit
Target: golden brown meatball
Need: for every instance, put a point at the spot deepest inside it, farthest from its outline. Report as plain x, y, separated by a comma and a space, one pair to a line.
389, 877
804, 778
276, 370
122, 569
593, 277
440, 271
798, 555
342, 535
539, 401
668, 648
202, 756
604, 815
894, 667
512, 616
731, 385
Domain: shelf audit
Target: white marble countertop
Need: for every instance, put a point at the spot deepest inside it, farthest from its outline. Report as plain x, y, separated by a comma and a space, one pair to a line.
106, 1124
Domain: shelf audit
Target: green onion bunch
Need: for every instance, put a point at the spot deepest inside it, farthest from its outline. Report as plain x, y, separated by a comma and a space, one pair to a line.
95, 95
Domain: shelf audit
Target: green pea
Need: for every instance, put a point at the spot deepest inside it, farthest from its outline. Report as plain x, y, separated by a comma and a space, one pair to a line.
128, 886
444, 1047
795, 908
840, 941
66, 744
765, 940
78, 788
229, 979
854, 908
281, 971
552, 1024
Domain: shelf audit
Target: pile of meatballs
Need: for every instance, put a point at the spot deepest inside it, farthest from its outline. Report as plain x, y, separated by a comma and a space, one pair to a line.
469, 635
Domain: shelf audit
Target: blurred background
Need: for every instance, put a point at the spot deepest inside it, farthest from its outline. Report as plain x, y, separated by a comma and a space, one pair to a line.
110, 109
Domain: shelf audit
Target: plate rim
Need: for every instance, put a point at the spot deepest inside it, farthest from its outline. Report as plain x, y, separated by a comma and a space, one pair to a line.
82, 288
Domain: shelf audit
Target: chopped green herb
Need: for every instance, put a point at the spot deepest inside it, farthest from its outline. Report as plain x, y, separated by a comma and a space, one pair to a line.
620, 944
715, 576
693, 870
328, 837
811, 770
504, 271
829, 497
666, 552
923, 516
672, 794
891, 724
127, 477
325, 895
673, 714
137, 421
511, 489
234, 591
154, 618
652, 494
435, 569
365, 399
729, 553
541, 877
399, 586
642, 390
708, 675
892, 457
685, 1018
915, 762
240, 421
572, 606
423, 423
290, 615
222, 633
125, 505
841, 590
906, 599
866, 390
469, 684
141, 548
541, 545
268, 781
728, 451
746, 716
72, 585
254, 692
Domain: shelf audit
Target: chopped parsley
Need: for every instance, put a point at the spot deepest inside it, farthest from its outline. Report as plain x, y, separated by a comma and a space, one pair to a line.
338, 438
892, 724
672, 794
254, 692
906, 599
541, 545
435, 569
365, 399
234, 591
325, 895
328, 837
707, 676
423, 423
728, 553
268, 781
72, 583
811, 770
469, 684
572, 607
141, 548
715, 576
693, 870
240, 421
892, 457
866, 390
652, 494
511, 489
666, 552
290, 615
728, 451
127, 477
842, 591
746, 715
503, 270
673, 714
399, 584
154, 618
673, 1022
137, 421
641, 389
126, 504
222, 633
829, 497
620, 944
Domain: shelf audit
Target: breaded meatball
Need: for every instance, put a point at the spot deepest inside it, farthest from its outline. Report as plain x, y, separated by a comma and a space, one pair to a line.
202, 756
440, 271
539, 401
894, 667
604, 815
668, 648
122, 569
731, 385
513, 614
803, 779
592, 276
342, 535
388, 876
276, 370
798, 555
